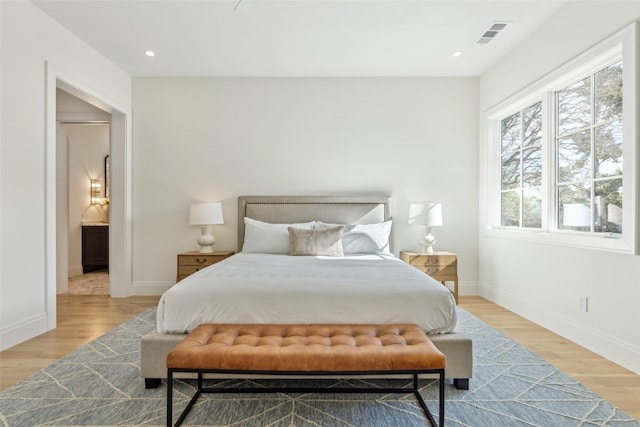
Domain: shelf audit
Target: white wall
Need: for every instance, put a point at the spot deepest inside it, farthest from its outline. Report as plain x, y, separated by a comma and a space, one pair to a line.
543, 282
209, 139
28, 39
68, 107
88, 144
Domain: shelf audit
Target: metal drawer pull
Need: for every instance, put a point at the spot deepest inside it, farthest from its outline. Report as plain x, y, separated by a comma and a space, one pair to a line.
201, 262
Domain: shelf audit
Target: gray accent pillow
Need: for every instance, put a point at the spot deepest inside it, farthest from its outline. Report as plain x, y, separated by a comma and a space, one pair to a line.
326, 242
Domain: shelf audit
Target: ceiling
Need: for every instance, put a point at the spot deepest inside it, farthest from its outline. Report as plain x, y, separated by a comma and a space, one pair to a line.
300, 37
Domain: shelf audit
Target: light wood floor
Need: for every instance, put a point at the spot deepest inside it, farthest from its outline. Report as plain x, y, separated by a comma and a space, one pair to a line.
616, 384
82, 318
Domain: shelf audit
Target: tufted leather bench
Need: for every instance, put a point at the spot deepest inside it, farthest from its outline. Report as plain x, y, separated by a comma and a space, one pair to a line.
306, 350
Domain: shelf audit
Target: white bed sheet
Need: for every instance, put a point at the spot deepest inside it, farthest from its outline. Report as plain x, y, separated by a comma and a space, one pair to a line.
280, 289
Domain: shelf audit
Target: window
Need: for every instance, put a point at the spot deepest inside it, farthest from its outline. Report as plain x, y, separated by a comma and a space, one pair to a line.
589, 153
562, 157
521, 167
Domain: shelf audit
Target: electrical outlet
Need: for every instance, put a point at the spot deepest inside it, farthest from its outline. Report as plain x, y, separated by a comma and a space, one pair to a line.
583, 302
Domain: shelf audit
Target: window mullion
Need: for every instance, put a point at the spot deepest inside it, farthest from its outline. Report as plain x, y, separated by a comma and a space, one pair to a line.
521, 189
496, 176
551, 173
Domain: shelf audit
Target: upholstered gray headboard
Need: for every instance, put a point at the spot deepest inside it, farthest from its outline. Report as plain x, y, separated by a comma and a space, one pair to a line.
331, 209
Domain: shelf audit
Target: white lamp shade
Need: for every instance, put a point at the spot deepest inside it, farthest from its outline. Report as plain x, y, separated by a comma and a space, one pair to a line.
427, 214
206, 213
576, 215
614, 214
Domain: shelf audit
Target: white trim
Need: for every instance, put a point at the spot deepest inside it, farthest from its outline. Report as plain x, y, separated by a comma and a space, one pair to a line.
83, 117
599, 342
50, 259
120, 236
14, 333
468, 288
621, 45
631, 165
561, 238
62, 210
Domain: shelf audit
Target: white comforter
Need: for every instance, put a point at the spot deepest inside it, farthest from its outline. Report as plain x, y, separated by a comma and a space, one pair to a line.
264, 288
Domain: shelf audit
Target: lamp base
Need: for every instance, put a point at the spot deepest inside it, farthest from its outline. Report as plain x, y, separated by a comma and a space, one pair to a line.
426, 250
427, 241
206, 239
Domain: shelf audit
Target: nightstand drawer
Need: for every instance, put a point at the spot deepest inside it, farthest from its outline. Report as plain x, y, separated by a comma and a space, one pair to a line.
200, 259
431, 260
190, 262
185, 270
438, 270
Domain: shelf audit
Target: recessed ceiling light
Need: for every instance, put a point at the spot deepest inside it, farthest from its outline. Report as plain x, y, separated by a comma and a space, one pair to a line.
456, 53
149, 53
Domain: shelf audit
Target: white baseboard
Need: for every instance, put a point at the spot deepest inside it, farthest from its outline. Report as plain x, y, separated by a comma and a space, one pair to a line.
611, 348
468, 288
150, 288
18, 332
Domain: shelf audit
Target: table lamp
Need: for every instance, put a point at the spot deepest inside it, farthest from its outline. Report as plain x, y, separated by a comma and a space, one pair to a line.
204, 215
427, 215
576, 215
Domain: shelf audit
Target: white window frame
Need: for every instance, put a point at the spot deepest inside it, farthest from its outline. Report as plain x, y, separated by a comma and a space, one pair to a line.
623, 45
521, 187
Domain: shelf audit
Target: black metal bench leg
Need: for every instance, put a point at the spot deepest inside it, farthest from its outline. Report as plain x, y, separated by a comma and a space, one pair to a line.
169, 398
441, 408
423, 404
193, 400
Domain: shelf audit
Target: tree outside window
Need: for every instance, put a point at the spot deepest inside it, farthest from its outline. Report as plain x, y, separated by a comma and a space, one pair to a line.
521, 168
589, 153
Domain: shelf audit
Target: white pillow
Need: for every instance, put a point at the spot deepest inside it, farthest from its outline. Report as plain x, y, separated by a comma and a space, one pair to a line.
265, 238
363, 238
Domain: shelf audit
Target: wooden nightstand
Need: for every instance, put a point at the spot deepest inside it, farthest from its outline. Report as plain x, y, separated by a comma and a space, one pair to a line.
442, 266
190, 262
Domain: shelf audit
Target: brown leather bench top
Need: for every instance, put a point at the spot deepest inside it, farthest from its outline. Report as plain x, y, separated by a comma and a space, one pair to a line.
306, 348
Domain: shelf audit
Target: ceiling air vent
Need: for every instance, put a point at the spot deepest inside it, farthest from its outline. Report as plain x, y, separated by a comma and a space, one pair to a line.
492, 32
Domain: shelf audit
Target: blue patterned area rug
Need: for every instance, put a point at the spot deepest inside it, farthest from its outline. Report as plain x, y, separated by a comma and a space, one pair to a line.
99, 385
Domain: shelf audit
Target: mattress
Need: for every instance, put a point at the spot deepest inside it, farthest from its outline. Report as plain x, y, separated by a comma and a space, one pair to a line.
281, 289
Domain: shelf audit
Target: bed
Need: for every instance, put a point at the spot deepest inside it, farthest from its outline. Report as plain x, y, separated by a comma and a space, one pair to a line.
262, 283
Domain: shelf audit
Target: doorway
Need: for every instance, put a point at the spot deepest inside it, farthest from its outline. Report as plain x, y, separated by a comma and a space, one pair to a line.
56, 250
85, 131
83, 180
